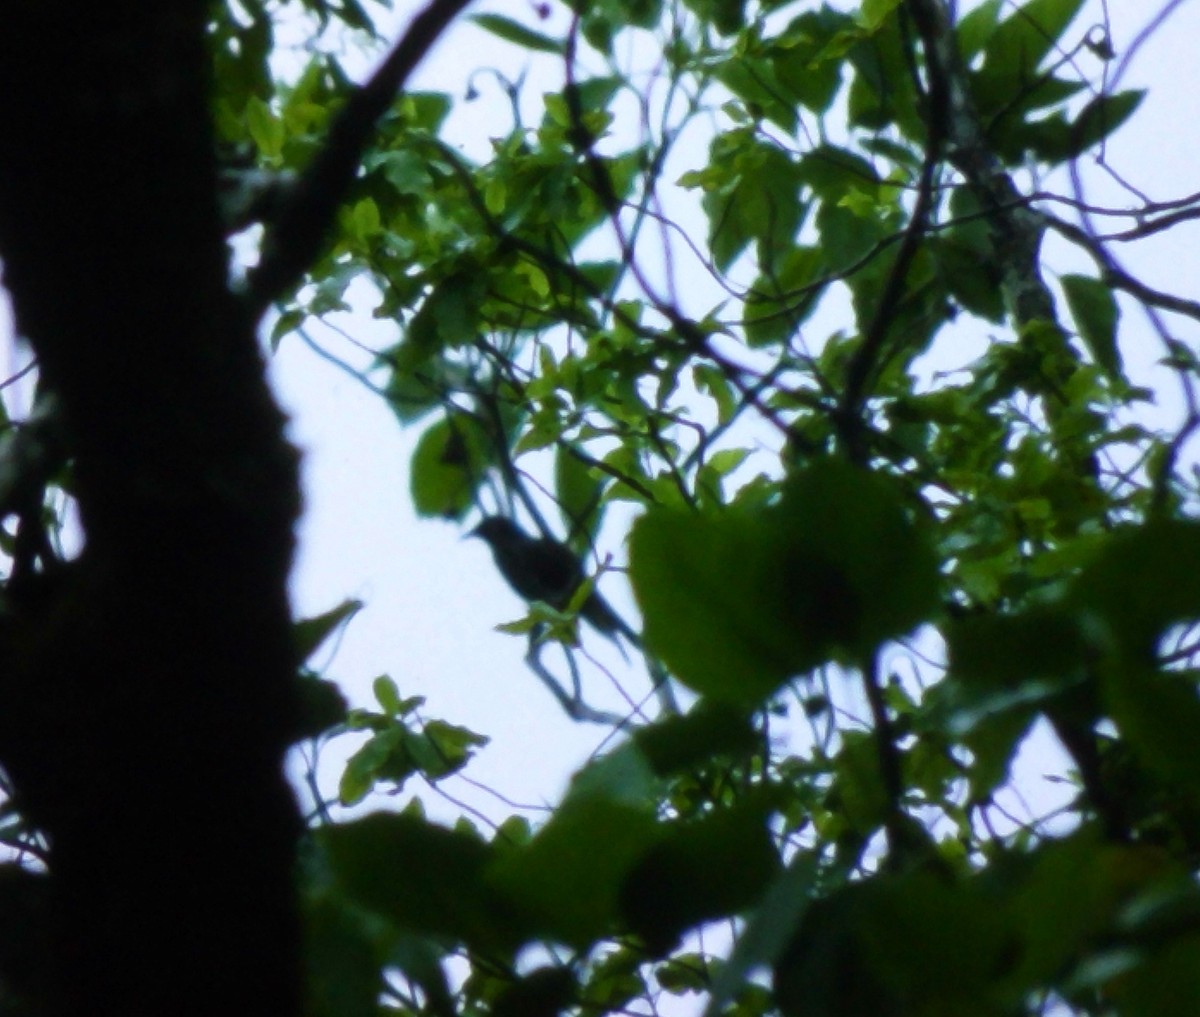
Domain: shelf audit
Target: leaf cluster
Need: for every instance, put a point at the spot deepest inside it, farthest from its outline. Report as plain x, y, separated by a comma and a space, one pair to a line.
902, 510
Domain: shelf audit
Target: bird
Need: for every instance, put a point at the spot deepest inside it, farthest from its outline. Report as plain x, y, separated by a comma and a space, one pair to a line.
541, 568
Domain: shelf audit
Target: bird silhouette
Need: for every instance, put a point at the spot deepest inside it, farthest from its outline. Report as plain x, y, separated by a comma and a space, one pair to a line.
541, 568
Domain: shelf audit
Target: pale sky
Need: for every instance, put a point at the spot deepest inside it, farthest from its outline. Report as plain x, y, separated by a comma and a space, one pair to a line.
433, 599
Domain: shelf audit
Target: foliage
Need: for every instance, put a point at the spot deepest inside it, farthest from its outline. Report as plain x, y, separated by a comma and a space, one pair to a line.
813, 498
746, 338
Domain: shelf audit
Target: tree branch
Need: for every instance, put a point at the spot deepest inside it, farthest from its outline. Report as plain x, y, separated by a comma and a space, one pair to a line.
299, 234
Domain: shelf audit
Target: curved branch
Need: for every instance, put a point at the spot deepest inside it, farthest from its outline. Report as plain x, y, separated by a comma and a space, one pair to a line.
299, 234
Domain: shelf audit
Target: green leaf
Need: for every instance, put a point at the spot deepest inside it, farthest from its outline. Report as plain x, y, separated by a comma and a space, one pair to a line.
881, 92
579, 491
736, 604
447, 467
265, 128
639, 13
449, 316
1165, 982
1098, 119
806, 70
424, 110
1159, 714
1025, 37
636, 773
705, 588
752, 79
1142, 580
831, 171
513, 31
976, 26
768, 932
684, 973
716, 867
1062, 898
625, 776
412, 390
970, 273
726, 16
998, 662
384, 756
309, 634
344, 957
710, 730
1012, 57
849, 528
322, 707
1095, 311
779, 303
387, 695
420, 877
846, 238
918, 943
453, 747
569, 877
285, 324
759, 204
712, 381
361, 221
546, 992
858, 788
872, 13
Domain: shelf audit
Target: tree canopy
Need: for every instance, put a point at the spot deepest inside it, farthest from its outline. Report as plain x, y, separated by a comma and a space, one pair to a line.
832, 301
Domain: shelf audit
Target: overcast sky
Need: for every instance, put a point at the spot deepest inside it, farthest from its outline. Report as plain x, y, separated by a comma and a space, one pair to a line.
433, 599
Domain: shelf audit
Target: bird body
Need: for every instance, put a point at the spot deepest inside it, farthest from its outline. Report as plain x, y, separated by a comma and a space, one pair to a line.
539, 568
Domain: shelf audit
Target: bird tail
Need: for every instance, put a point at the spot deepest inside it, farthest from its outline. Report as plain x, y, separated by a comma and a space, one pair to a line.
662, 687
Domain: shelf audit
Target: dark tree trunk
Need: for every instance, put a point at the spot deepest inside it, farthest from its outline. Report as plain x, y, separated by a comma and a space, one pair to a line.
146, 701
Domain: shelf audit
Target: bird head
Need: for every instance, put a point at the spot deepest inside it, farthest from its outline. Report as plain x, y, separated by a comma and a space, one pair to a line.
497, 531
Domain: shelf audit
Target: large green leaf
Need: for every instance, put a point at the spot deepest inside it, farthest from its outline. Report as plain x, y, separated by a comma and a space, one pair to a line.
448, 466
739, 602
976, 27
1096, 121
779, 302
421, 878
1095, 311
768, 931
636, 773
712, 868
805, 68
344, 952
726, 16
568, 879
759, 202
1142, 580
881, 93
449, 315
918, 944
1016, 48
999, 661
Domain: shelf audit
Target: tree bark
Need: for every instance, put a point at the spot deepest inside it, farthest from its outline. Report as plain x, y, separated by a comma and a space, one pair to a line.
146, 699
